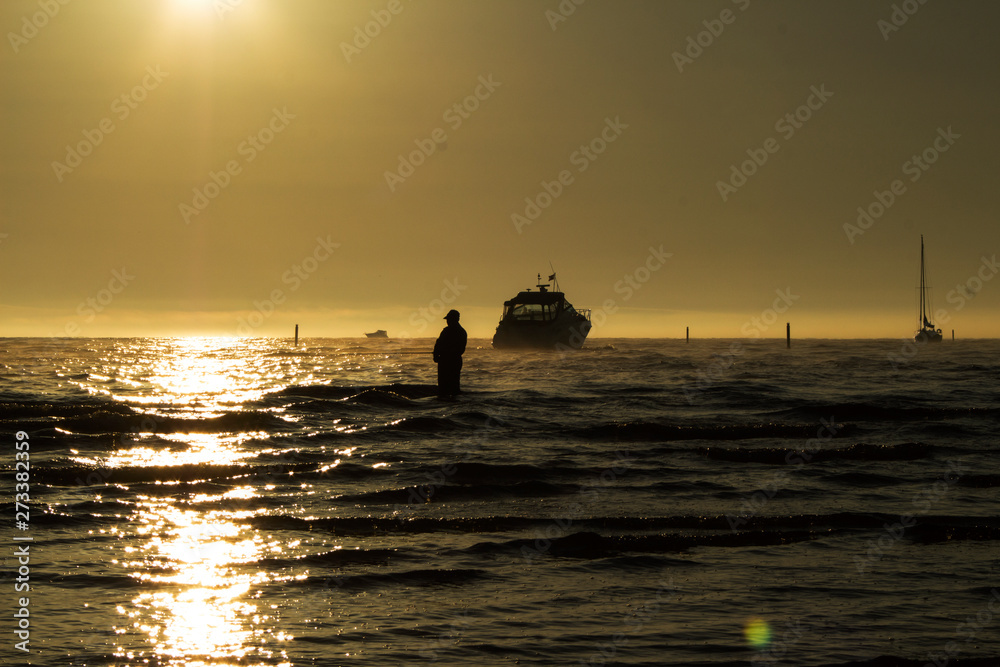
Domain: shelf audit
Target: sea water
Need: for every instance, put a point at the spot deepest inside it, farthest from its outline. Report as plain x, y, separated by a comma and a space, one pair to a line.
637, 502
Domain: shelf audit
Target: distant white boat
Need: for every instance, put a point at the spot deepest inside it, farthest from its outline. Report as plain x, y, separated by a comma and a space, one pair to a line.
926, 332
381, 333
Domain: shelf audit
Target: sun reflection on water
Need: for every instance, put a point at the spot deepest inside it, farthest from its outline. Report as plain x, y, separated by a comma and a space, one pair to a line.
201, 375
206, 370
202, 436
205, 609
198, 565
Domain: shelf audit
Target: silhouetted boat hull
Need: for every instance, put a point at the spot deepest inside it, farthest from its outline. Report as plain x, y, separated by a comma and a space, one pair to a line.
552, 337
928, 335
541, 320
381, 333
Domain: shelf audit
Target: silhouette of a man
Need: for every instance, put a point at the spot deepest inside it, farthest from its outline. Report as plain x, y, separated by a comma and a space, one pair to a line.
448, 352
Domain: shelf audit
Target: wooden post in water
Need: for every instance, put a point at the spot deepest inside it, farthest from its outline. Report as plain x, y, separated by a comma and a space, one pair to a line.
687, 334
788, 334
953, 335
296, 335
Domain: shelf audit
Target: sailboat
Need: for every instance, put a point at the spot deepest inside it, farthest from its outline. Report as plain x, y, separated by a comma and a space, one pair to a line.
926, 332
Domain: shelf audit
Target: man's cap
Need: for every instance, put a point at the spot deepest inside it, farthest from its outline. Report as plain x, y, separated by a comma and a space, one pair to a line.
452, 314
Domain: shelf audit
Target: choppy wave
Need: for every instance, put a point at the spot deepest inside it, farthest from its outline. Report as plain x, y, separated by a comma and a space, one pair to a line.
797, 456
643, 431
342, 392
537, 517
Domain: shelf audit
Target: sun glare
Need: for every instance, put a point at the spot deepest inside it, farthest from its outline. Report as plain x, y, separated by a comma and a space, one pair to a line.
212, 11
198, 6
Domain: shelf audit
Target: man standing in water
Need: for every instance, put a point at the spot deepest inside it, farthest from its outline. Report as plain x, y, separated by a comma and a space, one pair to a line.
448, 352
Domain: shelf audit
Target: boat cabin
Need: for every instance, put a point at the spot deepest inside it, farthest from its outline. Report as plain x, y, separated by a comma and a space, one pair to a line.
540, 306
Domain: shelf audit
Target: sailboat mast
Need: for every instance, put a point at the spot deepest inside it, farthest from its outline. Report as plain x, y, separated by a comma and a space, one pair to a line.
925, 328
923, 302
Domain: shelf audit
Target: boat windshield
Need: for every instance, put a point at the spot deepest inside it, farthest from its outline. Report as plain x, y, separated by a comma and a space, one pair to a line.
535, 312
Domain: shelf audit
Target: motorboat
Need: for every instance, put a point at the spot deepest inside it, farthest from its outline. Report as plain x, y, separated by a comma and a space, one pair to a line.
542, 319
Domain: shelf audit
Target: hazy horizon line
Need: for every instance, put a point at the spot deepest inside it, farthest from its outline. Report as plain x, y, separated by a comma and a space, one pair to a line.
433, 337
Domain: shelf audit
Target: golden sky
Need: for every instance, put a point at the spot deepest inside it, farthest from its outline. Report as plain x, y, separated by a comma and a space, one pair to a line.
239, 166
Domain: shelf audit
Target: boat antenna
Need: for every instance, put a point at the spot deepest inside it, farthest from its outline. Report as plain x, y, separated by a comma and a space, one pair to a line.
552, 277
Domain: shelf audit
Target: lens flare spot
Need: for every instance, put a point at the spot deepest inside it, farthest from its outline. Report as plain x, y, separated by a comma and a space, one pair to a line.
757, 633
